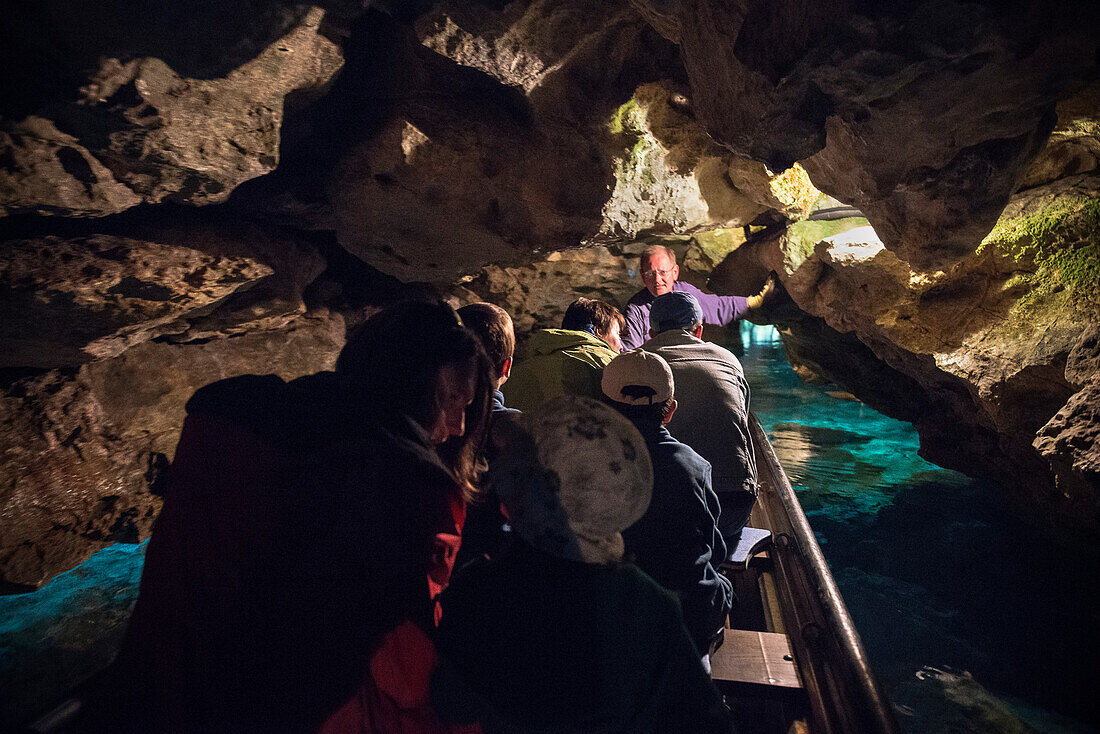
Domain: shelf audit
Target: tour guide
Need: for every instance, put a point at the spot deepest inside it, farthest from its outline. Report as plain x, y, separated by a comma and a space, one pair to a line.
660, 273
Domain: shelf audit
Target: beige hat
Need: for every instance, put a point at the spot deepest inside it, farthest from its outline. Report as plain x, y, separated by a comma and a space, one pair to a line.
572, 475
641, 369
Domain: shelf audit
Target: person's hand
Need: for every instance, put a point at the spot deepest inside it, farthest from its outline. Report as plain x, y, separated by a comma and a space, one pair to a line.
758, 300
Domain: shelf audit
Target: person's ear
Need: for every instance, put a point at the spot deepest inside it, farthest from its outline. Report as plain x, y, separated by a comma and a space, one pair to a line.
675, 272
697, 332
669, 412
506, 369
652, 332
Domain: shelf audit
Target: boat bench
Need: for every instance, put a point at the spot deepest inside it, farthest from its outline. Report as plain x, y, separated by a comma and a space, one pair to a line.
749, 662
751, 542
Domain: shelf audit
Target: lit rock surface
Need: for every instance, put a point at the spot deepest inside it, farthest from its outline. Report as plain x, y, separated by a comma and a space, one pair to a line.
994, 358
141, 132
82, 452
898, 109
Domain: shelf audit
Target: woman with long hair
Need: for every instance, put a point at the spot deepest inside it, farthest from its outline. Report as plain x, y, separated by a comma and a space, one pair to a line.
307, 526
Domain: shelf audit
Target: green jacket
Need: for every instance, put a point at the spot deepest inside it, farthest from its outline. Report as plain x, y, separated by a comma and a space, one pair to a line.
561, 361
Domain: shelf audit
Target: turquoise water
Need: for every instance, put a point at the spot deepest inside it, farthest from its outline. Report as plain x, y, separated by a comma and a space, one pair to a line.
973, 621
53, 639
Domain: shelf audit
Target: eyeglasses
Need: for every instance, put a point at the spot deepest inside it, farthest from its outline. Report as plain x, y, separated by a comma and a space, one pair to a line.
652, 274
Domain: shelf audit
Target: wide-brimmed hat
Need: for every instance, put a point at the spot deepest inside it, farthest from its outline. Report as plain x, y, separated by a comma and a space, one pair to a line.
572, 475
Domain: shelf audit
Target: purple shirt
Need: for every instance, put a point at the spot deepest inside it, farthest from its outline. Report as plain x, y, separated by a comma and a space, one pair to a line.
717, 310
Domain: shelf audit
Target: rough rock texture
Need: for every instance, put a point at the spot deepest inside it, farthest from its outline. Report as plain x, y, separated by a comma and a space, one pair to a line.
901, 109
138, 131
461, 144
82, 452
1071, 439
68, 300
491, 137
976, 357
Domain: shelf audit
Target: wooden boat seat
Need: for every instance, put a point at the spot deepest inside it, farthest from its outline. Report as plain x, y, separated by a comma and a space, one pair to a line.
754, 662
751, 542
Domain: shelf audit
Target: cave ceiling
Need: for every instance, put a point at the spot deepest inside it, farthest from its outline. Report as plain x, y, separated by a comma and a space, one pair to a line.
198, 185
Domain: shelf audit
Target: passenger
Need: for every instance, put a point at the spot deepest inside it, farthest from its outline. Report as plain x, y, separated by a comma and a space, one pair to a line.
676, 541
289, 582
484, 532
559, 634
569, 360
713, 417
659, 273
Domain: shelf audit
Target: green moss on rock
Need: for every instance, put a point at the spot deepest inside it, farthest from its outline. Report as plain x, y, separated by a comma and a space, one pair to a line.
628, 118
1060, 244
713, 245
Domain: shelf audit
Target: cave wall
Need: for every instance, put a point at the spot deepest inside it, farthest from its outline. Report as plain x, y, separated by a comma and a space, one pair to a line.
992, 360
192, 193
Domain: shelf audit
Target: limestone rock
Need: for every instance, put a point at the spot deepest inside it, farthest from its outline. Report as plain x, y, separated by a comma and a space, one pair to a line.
1071, 442
1074, 145
537, 294
48, 171
506, 164
68, 300
82, 452
898, 109
987, 352
141, 132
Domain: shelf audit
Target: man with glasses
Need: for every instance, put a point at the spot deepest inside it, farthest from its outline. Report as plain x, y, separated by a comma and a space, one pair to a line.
660, 273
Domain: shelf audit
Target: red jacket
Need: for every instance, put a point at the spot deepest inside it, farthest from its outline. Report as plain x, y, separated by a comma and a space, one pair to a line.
298, 532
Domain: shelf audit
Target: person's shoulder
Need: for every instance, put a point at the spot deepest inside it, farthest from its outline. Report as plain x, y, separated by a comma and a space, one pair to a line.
684, 287
681, 458
717, 351
639, 299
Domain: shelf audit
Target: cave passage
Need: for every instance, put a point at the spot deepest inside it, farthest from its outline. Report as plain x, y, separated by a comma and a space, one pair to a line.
968, 615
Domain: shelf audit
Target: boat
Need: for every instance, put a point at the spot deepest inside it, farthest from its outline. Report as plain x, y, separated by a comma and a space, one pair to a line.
790, 659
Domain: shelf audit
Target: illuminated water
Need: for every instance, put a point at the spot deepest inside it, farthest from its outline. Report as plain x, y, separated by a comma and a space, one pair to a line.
973, 621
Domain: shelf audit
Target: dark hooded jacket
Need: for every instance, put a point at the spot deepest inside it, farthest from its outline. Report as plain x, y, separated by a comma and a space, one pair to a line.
297, 529
677, 541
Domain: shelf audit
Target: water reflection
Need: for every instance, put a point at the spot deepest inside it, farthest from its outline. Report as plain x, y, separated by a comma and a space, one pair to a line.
972, 619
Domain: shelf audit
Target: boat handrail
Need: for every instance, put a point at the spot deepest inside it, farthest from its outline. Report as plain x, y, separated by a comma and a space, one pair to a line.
873, 711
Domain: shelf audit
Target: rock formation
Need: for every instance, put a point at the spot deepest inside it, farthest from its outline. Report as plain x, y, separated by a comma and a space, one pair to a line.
191, 193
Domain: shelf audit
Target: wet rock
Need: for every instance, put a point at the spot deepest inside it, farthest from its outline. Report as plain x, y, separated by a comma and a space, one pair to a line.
975, 708
83, 451
141, 132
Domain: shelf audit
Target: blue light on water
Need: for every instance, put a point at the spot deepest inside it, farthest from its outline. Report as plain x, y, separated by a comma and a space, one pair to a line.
54, 638
937, 573
968, 614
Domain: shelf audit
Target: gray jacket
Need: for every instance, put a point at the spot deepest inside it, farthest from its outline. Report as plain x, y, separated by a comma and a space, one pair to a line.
713, 415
